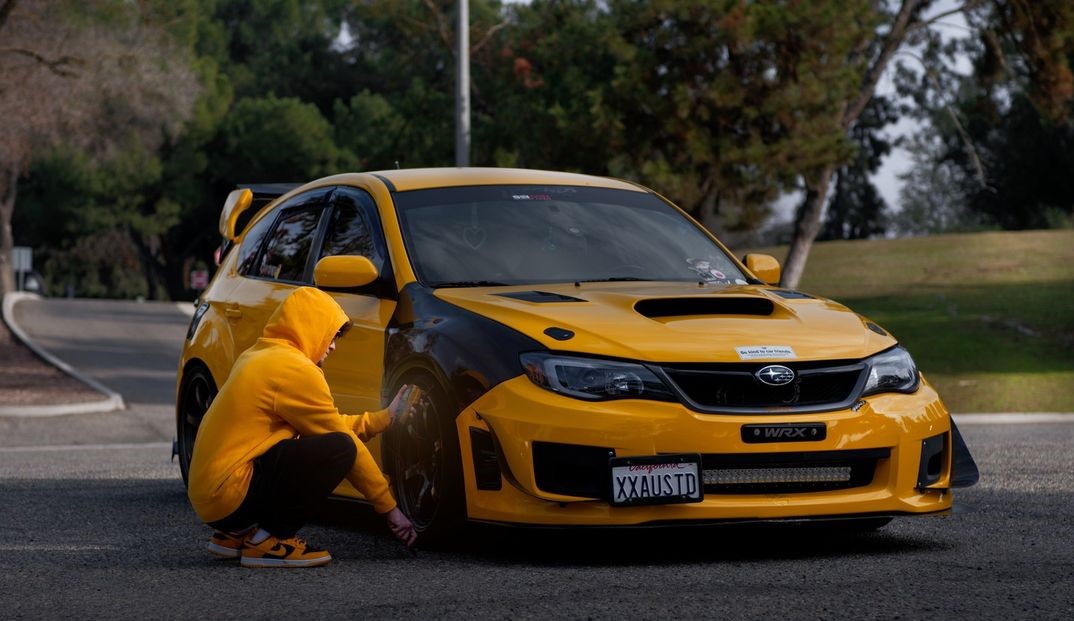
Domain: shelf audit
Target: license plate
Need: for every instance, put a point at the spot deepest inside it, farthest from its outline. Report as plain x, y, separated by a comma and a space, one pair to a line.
656, 480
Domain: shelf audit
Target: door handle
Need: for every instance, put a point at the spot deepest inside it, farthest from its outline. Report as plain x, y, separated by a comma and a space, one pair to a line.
232, 313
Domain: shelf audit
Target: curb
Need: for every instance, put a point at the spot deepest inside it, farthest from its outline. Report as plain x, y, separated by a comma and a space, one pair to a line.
113, 400
1013, 418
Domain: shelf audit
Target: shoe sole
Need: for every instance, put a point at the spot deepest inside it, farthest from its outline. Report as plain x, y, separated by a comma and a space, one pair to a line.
224, 552
262, 563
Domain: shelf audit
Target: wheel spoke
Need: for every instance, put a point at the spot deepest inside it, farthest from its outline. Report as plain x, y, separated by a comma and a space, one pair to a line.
424, 496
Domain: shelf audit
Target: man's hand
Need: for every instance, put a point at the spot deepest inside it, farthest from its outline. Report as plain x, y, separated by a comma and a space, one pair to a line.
401, 527
403, 403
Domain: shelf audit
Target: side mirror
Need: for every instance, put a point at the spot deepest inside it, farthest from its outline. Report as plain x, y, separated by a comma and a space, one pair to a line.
764, 267
344, 272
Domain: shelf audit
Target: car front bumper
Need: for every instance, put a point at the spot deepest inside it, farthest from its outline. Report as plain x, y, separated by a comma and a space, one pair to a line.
505, 437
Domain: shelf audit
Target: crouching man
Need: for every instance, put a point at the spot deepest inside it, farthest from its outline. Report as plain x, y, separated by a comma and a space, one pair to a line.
273, 446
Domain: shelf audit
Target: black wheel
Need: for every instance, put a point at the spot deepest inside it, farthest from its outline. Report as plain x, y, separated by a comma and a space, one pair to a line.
197, 393
421, 455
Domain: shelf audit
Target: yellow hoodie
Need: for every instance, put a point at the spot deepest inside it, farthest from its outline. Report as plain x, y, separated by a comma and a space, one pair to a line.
276, 392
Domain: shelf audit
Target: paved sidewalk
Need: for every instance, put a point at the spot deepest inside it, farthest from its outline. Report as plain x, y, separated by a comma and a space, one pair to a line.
28, 383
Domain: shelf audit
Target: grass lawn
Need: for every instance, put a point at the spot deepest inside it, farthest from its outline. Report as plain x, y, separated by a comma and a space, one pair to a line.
989, 317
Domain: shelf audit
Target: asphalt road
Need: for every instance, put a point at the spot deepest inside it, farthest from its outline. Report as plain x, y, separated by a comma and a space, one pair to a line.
104, 530
133, 348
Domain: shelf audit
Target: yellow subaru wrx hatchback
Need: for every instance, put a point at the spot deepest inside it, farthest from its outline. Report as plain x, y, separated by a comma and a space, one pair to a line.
589, 356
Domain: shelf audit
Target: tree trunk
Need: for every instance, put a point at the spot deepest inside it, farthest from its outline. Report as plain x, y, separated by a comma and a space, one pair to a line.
807, 222
145, 256
9, 179
806, 227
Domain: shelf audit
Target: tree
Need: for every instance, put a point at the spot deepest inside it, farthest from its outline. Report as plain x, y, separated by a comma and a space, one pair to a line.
1040, 36
720, 104
280, 47
857, 211
402, 59
1004, 144
291, 139
870, 57
96, 75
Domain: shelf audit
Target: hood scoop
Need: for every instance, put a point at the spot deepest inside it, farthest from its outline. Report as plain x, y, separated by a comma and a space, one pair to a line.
540, 297
678, 307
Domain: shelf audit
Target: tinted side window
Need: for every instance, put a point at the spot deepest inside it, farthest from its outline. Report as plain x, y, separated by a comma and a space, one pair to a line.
252, 243
350, 232
288, 247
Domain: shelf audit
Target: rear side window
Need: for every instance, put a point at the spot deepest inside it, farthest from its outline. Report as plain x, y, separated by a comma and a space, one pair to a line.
288, 247
252, 243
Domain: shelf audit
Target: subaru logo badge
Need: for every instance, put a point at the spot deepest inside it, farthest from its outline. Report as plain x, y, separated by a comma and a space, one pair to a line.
775, 375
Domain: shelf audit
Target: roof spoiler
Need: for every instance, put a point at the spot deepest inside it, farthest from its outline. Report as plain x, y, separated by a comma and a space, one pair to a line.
268, 191
248, 195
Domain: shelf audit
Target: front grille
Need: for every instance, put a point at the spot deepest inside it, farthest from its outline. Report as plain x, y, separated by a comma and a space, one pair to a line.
575, 470
789, 473
571, 469
735, 387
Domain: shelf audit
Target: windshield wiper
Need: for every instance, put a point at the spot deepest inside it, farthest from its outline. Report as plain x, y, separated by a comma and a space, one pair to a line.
469, 283
615, 279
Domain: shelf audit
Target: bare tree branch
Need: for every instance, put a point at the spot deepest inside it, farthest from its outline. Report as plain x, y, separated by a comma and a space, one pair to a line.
892, 41
62, 67
978, 167
488, 37
971, 4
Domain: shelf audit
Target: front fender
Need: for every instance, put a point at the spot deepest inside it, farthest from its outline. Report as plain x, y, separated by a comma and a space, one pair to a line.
468, 353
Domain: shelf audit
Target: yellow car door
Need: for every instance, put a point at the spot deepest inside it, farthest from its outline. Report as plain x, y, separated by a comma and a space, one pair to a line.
282, 263
355, 371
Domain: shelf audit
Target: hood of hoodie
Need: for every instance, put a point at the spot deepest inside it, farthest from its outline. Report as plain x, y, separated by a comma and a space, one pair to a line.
308, 320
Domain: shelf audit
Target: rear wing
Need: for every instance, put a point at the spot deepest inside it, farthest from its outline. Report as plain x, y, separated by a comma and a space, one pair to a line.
246, 201
240, 201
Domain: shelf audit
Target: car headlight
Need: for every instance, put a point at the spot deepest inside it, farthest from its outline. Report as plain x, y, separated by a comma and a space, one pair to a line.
592, 379
891, 371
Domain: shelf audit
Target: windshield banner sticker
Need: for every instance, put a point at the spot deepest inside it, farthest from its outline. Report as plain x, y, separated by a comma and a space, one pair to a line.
756, 352
706, 271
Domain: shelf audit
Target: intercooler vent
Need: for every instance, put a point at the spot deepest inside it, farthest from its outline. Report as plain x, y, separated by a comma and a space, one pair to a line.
790, 473
678, 307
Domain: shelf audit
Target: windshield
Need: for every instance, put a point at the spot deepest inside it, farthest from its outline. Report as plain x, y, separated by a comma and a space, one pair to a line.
508, 235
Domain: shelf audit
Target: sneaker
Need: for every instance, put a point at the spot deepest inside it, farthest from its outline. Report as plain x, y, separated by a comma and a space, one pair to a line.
225, 545
275, 552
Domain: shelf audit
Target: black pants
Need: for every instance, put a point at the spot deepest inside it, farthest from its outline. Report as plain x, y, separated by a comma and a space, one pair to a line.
291, 480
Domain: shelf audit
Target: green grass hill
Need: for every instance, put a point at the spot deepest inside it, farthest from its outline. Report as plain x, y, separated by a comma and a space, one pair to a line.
989, 317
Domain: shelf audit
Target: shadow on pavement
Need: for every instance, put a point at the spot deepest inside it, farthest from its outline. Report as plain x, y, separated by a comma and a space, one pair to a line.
647, 545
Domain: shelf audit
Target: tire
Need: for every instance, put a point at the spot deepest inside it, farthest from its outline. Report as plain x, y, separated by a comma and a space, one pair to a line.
195, 395
421, 456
